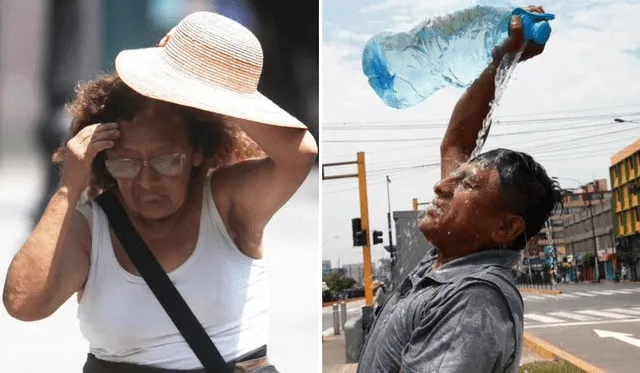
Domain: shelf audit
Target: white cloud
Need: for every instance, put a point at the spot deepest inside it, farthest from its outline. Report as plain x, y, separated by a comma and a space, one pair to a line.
586, 65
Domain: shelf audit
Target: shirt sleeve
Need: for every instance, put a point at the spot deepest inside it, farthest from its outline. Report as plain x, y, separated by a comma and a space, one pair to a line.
471, 331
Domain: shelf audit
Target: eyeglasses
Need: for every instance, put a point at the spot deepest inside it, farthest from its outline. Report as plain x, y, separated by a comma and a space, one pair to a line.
166, 165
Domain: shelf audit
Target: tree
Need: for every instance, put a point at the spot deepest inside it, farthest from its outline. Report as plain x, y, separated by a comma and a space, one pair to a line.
588, 260
545, 267
336, 281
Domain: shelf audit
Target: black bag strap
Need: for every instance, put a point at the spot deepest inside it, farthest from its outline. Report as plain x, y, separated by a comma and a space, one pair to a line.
161, 286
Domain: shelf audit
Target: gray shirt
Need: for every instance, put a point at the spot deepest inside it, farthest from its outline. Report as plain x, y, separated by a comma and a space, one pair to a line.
466, 316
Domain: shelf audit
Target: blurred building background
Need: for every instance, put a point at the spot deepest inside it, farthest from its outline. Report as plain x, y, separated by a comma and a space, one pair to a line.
47, 46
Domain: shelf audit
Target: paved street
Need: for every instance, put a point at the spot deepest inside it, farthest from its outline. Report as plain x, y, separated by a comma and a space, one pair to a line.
598, 323
56, 345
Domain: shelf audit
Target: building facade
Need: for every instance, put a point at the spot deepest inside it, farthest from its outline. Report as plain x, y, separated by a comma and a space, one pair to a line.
354, 271
625, 184
576, 201
326, 267
589, 231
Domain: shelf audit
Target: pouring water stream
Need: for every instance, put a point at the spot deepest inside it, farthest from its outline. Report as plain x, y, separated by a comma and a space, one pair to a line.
505, 70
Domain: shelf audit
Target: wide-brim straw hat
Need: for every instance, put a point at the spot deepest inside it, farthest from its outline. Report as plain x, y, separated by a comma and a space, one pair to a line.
209, 62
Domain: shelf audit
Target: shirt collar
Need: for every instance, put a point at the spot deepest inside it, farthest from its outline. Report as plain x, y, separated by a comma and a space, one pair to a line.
471, 263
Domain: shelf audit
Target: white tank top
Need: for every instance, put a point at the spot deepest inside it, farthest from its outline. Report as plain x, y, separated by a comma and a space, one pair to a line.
226, 290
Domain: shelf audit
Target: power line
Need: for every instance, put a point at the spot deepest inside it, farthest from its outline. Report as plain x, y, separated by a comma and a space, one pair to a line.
493, 135
414, 171
532, 148
444, 121
591, 128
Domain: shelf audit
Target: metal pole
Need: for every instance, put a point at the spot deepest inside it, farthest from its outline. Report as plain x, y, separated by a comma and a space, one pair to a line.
595, 243
364, 218
336, 319
389, 219
343, 313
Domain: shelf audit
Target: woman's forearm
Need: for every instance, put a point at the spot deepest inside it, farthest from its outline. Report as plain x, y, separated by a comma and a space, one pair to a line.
283, 145
31, 279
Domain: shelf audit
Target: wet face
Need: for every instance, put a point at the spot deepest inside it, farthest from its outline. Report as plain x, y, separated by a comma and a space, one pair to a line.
157, 136
466, 213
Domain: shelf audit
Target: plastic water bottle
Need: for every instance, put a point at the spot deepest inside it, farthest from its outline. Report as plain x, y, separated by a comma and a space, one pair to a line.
405, 68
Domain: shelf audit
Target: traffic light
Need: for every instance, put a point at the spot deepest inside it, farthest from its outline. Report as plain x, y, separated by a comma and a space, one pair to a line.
359, 236
377, 237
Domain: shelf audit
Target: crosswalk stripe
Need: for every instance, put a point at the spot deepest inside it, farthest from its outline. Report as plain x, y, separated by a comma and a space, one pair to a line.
584, 294
623, 310
621, 291
609, 315
567, 295
544, 319
601, 292
572, 316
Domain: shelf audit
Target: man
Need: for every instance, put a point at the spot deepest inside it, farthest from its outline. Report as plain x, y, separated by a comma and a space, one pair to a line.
459, 310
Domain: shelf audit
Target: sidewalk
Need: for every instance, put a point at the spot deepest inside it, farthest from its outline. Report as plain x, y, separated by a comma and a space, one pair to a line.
333, 356
334, 361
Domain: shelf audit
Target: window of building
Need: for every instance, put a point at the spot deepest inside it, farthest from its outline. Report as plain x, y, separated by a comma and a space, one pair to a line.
618, 172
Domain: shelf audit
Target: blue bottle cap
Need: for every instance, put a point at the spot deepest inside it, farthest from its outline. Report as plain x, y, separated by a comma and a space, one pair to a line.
535, 26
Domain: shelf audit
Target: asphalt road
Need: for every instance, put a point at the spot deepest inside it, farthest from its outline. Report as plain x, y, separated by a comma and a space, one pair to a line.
598, 323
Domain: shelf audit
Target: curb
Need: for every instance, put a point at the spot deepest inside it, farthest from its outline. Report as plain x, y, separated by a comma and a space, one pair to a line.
540, 291
549, 351
328, 304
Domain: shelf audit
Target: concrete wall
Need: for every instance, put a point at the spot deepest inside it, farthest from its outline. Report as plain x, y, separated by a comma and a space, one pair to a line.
411, 245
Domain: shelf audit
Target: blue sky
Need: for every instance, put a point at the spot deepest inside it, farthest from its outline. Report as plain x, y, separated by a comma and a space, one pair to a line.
588, 74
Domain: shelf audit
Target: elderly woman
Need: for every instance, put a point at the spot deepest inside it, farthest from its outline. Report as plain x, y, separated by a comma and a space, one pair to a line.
200, 161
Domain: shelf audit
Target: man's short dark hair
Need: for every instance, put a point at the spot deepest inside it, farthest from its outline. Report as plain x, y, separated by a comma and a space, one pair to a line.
525, 188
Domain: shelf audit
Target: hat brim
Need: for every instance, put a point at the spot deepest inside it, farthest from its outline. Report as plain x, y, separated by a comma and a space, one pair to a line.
146, 72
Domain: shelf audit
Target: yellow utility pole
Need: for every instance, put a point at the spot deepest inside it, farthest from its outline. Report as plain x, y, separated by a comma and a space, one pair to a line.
364, 217
416, 204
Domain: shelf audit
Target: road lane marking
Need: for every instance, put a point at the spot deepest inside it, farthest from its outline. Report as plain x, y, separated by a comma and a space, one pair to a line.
584, 294
622, 291
536, 297
567, 296
573, 316
601, 292
544, 319
624, 310
622, 337
580, 323
608, 315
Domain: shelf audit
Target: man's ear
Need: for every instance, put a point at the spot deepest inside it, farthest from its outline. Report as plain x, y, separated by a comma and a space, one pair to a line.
510, 228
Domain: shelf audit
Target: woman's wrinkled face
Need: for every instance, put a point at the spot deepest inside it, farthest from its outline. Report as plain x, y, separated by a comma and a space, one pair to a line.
152, 161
